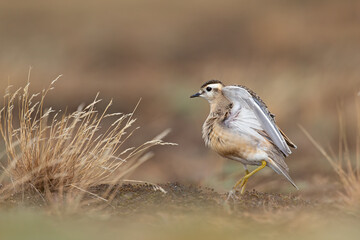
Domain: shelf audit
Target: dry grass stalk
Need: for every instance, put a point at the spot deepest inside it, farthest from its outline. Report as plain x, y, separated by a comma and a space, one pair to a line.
345, 163
62, 155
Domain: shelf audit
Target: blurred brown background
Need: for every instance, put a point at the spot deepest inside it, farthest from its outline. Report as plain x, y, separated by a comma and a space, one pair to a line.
301, 57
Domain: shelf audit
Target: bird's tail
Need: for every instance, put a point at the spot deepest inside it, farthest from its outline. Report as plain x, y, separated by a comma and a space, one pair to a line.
280, 170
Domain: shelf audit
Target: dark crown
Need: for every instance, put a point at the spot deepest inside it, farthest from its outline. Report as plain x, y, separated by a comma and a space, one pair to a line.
211, 82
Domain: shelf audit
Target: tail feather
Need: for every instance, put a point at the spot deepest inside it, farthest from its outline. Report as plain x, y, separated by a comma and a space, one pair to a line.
280, 170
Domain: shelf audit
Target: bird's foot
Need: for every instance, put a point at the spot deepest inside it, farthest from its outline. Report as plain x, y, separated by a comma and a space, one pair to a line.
232, 195
241, 184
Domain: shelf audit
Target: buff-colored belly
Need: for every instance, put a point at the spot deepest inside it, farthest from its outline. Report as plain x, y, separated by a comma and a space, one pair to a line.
236, 146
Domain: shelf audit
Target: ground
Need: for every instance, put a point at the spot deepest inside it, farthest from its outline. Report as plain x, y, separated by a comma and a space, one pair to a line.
179, 197
174, 197
184, 212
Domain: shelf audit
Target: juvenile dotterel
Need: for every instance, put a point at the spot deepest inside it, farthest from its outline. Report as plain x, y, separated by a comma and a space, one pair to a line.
240, 127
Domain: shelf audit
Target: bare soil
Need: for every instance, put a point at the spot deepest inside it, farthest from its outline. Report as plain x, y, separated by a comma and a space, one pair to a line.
179, 197
133, 199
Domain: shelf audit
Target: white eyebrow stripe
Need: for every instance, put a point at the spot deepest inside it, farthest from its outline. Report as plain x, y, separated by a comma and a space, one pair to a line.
213, 85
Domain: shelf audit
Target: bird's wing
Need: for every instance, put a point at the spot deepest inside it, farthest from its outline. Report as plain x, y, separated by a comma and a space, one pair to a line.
242, 98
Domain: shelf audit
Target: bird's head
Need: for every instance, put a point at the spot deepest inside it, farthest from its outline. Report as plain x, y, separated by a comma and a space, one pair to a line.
211, 91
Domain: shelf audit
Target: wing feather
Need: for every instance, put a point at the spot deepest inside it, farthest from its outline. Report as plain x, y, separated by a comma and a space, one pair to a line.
238, 96
287, 139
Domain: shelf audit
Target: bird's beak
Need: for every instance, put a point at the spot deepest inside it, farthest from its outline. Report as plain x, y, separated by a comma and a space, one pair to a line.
195, 95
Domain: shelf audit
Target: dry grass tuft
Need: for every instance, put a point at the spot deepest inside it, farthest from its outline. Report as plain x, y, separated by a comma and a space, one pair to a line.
61, 156
345, 163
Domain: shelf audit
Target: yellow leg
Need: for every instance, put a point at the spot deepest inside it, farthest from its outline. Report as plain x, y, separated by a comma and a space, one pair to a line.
245, 182
242, 182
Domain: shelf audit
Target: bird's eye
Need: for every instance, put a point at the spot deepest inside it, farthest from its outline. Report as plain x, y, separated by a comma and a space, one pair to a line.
208, 89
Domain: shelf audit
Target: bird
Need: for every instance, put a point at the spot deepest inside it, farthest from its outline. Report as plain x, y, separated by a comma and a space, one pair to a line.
240, 127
